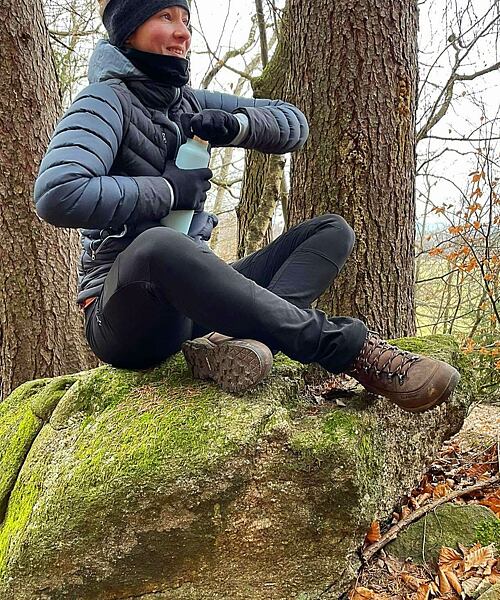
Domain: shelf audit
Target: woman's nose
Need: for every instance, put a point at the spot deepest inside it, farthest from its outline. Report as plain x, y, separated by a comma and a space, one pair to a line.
182, 31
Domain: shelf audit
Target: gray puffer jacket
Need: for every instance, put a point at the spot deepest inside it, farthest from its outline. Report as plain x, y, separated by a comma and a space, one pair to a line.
102, 172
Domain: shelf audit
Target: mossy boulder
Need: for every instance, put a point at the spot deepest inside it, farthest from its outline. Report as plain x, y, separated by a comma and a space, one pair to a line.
448, 525
117, 484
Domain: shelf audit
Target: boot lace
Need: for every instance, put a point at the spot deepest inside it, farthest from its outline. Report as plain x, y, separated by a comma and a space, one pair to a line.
383, 359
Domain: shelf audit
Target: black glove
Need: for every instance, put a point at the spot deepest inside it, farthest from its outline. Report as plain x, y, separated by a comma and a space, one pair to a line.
202, 225
190, 186
215, 126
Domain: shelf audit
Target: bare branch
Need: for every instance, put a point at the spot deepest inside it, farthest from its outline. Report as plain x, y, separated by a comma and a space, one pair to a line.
262, 33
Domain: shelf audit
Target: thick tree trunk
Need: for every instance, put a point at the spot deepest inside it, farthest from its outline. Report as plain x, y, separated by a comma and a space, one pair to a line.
40, 324
352, 68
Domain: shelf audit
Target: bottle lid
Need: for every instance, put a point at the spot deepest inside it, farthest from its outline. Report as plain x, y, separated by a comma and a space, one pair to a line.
200, 140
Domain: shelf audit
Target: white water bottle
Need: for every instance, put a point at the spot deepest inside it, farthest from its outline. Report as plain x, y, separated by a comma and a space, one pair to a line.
191, 155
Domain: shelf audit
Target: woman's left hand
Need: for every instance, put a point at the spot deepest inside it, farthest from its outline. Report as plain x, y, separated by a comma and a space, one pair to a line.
213, 125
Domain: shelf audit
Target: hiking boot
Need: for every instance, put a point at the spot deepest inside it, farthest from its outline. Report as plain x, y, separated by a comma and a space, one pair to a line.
234, 364
415, 383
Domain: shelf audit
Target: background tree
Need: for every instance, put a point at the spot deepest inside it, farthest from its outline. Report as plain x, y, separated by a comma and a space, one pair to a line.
358, 93
40, 324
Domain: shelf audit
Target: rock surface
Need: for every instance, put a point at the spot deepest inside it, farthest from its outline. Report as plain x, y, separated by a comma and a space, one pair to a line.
117, 484
448, 525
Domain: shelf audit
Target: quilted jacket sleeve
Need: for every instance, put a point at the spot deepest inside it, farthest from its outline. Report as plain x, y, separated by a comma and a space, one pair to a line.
73, 188
275, 127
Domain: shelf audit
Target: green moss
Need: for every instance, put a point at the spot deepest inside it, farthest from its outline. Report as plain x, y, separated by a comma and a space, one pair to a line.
29, 485
317, 435
47, 398
444, 347
488, 532
335, 433
22, 415
116, 432
17, 435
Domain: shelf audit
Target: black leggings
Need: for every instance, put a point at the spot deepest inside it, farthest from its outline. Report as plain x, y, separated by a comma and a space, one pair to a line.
165, 288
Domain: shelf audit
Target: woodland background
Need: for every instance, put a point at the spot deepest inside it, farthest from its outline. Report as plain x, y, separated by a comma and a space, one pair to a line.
402, 101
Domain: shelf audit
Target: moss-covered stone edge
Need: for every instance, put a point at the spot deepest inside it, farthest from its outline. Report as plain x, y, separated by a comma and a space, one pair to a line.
310, 438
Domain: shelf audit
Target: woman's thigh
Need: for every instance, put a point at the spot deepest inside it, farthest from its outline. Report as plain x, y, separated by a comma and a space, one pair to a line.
131, 325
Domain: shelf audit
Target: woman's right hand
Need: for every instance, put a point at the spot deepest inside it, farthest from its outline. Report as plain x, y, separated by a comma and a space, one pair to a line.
190, 186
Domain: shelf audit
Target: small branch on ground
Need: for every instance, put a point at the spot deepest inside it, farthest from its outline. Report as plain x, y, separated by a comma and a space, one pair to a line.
393, 532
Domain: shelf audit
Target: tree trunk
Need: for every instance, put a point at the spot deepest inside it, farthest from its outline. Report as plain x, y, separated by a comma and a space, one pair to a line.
263, 182
352, 68
40, 324
262, 191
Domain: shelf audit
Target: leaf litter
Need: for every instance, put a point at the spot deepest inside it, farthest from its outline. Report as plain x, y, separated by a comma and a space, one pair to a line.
462, 573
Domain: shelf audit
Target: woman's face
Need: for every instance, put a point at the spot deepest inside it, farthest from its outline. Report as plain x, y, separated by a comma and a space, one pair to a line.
166, 32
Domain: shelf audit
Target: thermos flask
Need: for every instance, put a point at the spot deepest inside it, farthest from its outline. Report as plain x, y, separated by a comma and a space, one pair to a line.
191, 155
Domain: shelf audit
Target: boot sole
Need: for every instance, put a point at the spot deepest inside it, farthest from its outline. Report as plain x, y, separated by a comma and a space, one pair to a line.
234, 365
448, 390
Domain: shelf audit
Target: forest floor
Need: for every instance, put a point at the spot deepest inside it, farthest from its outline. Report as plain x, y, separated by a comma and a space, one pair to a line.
466, 471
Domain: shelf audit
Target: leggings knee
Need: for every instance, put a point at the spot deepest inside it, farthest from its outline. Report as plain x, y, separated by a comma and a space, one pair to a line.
162, 244
341, 240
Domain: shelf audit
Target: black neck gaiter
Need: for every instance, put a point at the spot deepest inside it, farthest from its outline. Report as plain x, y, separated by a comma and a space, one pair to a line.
162, 68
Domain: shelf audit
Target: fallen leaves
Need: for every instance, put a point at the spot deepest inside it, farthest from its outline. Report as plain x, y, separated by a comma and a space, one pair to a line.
362, 593
373, 534
478, 557
492, 501
449, 558
461, 573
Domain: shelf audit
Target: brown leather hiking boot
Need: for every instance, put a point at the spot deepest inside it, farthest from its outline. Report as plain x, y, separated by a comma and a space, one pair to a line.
235, 364
415, 383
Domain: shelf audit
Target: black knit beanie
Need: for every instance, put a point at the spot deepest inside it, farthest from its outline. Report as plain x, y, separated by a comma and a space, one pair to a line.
122, 17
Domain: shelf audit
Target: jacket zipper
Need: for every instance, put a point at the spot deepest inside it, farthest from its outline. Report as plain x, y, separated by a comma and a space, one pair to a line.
94, 253
177, 130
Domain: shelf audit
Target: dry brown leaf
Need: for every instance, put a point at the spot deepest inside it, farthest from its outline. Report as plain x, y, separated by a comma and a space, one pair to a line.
412, 582
449, 558
488, 569
434, 588
361, 593
427, 489
441, 490
478, 556
405, 511
453, 580
423, 592
373, 534
494, 578
492, 501
444, 585
413, 503
470, 585
495, 573
478, 470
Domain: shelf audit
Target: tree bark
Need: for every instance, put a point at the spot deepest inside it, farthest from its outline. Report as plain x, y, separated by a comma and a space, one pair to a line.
262, 188
352, 68
40, 324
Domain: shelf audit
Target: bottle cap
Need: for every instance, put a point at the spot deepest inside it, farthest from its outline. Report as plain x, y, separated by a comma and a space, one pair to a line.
199, 140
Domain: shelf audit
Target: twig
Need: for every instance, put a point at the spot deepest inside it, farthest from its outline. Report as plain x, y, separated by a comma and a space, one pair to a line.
498, 451
414, 516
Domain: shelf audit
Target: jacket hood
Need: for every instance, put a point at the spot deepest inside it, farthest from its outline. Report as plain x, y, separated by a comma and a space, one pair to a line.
107, 62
